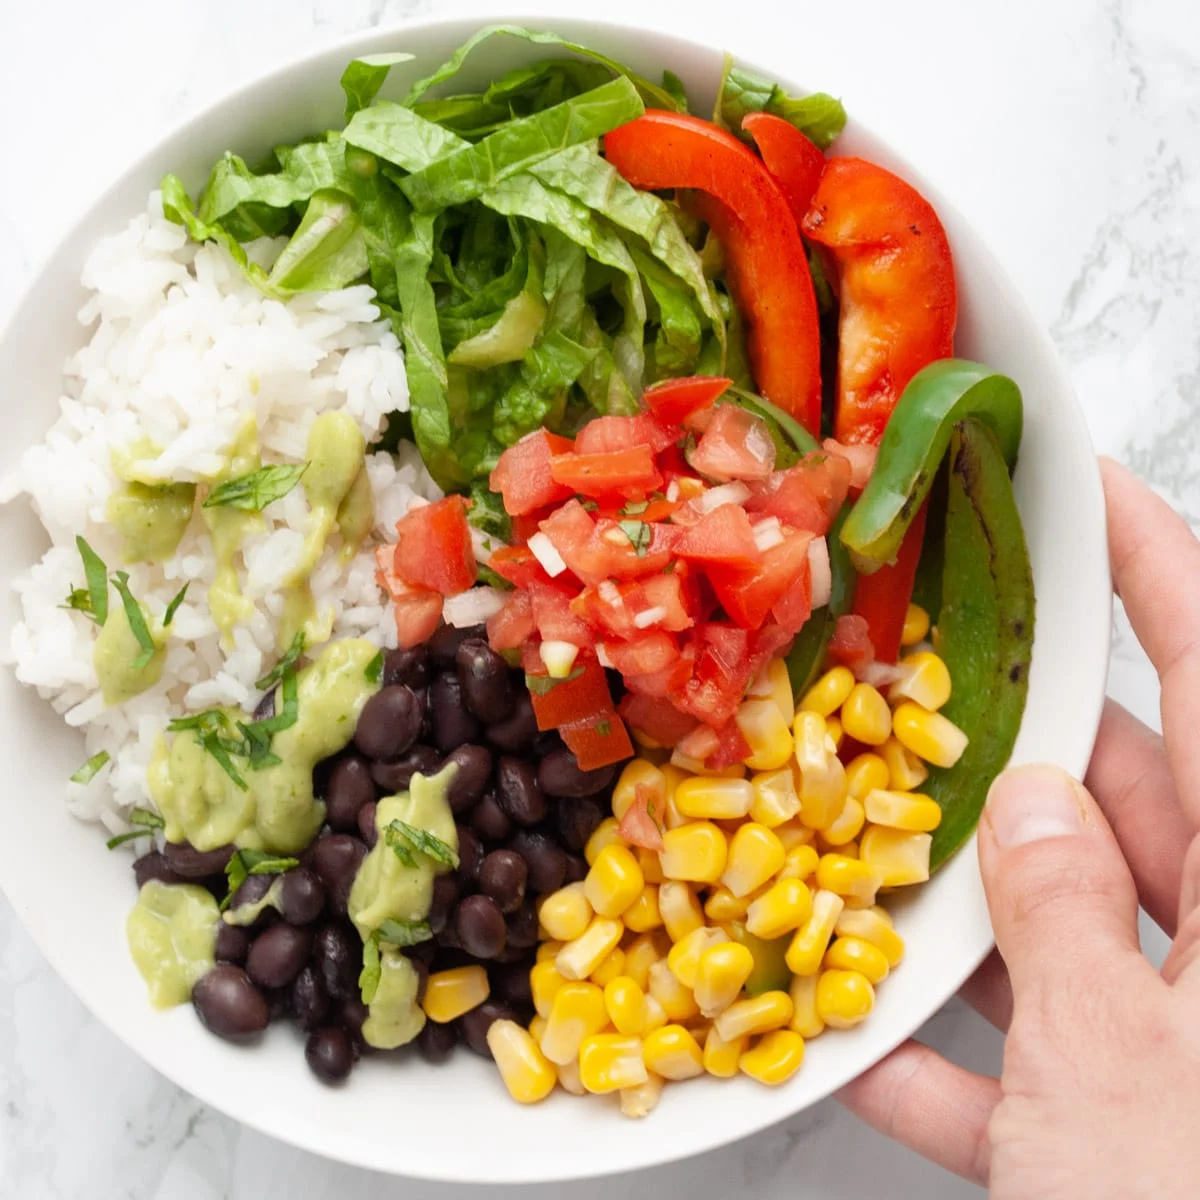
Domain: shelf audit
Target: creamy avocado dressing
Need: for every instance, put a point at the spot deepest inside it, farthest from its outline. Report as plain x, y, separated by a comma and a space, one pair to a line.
150, 520
115, 653
247, 914
277, 811
394, 1017
172, 933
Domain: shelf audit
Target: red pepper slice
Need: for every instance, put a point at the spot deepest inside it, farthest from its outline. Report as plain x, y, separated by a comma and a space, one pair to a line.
629, 473
578, 698
674, 399
767, 263
794, 161
882, 598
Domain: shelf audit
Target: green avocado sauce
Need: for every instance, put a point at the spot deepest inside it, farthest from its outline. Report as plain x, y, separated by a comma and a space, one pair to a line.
172, 933
150, 520
115, 652
277, 811
394, 1017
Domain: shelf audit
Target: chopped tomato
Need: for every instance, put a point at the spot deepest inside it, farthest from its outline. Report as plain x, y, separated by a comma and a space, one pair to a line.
434, 549
661, 723
674, 399
749, 595
794, 607
700, 743
518, 565
735, 445
850, 646
723, 536
531, 656
613, 608
527, 524
732, 748
639, 826
597, 741
806, 496
666, 683
666, 593
629, 473
599, 550
722, 671
417, 616
522, 476
577, 698
861, 458
513, 625
673, 466
652, 651
553, 617
765, 644
646, 510
602, 435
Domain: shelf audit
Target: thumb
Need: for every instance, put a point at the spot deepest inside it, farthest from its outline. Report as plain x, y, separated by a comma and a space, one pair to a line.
1062, 900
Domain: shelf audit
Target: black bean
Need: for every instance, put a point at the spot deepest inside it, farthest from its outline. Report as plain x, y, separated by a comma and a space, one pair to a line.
423, 951
395, 774
546, 743
229, 1004
329, 1054
559, 775
577, 821
435, 1043
480, 926
486, 687
335, 859
251, 892
510, 982
264, 710
185, 860
470, 859
443, 645
351, 1013
233, 942
445, 897
518, 791
472, 774
337, 955
409, 667
301, 896
517, 731
452, 723
422, 970
489, 820
154, 866
474, 1025
310, 1000
523, 927
389, 722
277, 955
544, 857
447, 939
577, 869
366, 825
350, 786
502, 876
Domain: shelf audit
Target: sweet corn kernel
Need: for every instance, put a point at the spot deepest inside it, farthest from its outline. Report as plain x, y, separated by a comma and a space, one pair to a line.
720, 976
928, 735
578, 1011
640, 1101
656, 1016
614, 882
906, 772
799, 863
651, 867
673, 1053
767, 733
548, 950
755, 854
775, 1058
848, 824
640, 955
609, 1062
684, 958
449, 994
537, 1027
675, 998
544, 982
847, 876
864, 774
857, 954
721, 1057
874, 926
783, 907
691, 767
638, 772
775, 799
523, 1067
808, 947
822, 776
909, 811
899, 858
626, 1004
829, 693
695, 852
579, 958
643, 913
611, 966
605, 834
722, 905
565, 914
844, 998
916, 625
926, 681
756, 1014
673, 776
806, 1021
680, 909
866, 716
794, 834
714, 799
568, 1077
780, 684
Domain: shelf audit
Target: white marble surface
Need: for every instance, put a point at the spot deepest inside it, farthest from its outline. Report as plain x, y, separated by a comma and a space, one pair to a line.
1067, 130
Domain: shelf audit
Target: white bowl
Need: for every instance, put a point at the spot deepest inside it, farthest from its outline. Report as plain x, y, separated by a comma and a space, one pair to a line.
456, 1122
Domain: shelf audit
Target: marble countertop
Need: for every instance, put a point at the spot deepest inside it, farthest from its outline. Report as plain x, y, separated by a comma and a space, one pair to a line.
1068, 132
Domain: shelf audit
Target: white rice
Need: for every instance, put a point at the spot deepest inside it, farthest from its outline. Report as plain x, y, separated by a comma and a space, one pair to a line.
183, 347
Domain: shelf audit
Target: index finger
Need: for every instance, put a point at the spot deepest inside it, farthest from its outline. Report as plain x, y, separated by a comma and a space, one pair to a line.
1156, 571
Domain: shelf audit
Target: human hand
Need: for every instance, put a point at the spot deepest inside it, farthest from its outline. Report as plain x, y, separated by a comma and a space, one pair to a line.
1100, 1090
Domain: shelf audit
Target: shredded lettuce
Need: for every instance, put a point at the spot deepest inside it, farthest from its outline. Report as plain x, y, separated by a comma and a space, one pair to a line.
820, 117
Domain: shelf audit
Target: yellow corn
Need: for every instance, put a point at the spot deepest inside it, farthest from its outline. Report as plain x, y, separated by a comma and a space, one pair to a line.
523, 1067
641, 1100
714, 799
906, 772
695, 852
928, 735
691, 767
578, 1011
767, 733
611, 967
783, 907
780, 685
609, 1062
643, 913
548, 950
775, 1059
875, 926
565, 914
909, 811
449, 994
640, 955
829, 693
721, 1057
822, 776
899, 858
614, 882
544, 982
537, 1027
857, 954
844, 998
806, 1021
672, 1052
848, 877
720, 976
605, 834
579, 958
775, 799
864, 774
656, 1016
638, 772
651, 868
866, 716
927, 681
756, 1014
799, 863
684, 958
794, 834
916, 625
834, 733
674, 997
723, 905
848, 824
626, 1005
755, 854
808, 947
680, 909
568, 1078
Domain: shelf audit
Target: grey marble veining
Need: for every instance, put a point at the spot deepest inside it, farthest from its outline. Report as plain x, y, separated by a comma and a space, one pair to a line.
1068, 132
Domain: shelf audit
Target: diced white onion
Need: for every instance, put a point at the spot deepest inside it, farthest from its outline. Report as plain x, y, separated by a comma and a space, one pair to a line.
559, 658
473, 606
483, 545
819, 570
649, 616
542, 548
860, 458
760, 685
673, 490
880, 675
767, 534
602, 656
728, 493
609, 593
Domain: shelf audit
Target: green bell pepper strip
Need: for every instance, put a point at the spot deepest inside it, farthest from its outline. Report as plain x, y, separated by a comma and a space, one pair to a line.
985, 629
913, 445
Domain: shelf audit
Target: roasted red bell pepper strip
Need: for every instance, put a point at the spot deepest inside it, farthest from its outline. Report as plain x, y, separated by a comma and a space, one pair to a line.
882, 598
794, 162
765, 255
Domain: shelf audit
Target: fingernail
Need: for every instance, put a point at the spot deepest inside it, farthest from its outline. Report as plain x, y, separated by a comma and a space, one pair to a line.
1031, 804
